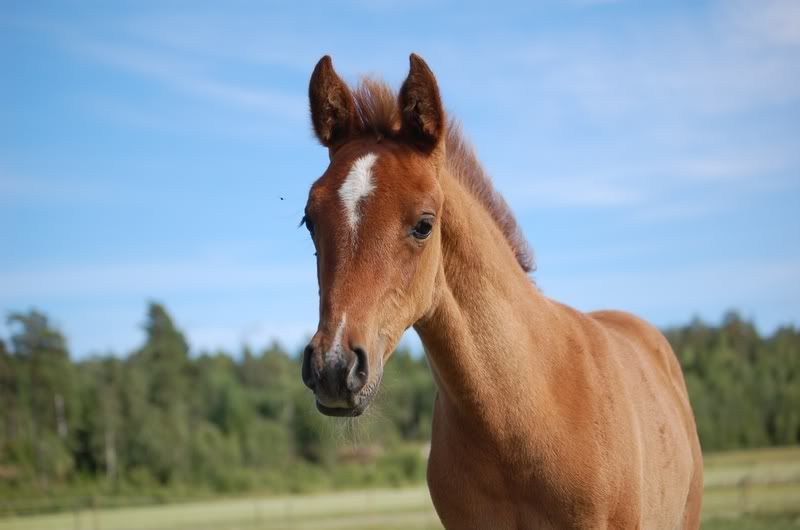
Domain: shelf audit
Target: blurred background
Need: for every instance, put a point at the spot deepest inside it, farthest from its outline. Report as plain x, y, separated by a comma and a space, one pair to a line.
155, 289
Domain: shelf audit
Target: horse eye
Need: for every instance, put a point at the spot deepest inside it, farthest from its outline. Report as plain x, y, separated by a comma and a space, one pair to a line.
423, 229
306, 221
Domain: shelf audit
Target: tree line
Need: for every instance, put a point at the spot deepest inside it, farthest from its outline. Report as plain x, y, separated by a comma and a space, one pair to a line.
164, 420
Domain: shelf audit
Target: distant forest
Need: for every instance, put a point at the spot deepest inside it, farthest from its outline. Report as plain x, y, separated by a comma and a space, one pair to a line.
178, 424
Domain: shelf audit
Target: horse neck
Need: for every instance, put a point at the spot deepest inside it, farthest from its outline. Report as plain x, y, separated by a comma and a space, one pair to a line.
486, 333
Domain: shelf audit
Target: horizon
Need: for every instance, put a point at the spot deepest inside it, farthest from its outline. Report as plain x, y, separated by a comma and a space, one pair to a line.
650, 154
410, 341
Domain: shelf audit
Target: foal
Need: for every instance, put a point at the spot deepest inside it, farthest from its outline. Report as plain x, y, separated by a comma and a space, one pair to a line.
545, 417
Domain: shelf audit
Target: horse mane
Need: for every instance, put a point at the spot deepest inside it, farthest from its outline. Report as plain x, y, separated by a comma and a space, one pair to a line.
377, 113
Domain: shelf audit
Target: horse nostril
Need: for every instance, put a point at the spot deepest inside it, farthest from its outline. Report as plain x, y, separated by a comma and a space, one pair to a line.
359, 372
307, 372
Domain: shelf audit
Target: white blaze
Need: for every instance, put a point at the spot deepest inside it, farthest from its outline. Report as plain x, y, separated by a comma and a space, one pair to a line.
357, 186
333, 353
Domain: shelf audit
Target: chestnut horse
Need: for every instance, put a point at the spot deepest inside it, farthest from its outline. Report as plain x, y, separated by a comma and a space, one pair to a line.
545, 417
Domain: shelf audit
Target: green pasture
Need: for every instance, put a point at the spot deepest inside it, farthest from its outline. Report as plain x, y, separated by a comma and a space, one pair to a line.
754, 489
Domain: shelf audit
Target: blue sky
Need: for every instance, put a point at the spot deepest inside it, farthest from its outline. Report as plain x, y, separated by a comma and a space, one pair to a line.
651, 151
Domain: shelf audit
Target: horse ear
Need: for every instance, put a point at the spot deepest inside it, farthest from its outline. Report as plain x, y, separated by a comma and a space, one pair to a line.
332, 107
420, 106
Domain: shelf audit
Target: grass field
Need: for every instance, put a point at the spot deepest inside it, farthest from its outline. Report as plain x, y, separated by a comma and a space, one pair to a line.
750, 490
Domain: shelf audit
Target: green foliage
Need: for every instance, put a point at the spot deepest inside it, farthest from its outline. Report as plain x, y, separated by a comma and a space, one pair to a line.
168, 423
745, 389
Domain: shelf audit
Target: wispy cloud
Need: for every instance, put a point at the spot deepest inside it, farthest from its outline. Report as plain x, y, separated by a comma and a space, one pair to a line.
731, 167
654, 189
771, 22
662, 100
149, 278
151, 59
564, 191
230, 37
669, 69
178, 76
707, 288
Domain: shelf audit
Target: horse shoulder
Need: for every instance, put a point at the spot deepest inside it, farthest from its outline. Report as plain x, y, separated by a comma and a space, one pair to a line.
670, 428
